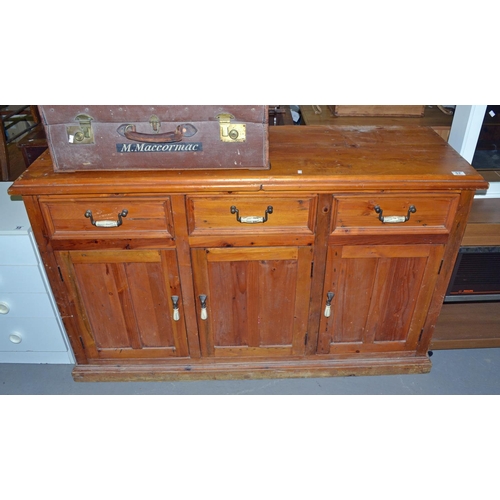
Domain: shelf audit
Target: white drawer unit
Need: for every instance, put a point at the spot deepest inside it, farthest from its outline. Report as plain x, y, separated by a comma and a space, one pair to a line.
16, 249
18, 279
31, 335
25, 305
31, 330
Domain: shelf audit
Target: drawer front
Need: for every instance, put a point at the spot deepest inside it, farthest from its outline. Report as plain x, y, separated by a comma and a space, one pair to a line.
25, 305
251, 214
365, 214
105, 218
31, 334
17, 250
21, 279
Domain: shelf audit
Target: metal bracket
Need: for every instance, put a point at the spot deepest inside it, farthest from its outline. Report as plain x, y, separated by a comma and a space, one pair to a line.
231, 132
82, 133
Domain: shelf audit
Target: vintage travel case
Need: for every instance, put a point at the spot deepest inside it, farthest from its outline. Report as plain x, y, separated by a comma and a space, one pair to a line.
156, 137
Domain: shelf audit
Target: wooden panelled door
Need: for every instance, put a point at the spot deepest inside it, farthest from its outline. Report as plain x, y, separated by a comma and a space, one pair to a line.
123, 300
257, 300
381, 294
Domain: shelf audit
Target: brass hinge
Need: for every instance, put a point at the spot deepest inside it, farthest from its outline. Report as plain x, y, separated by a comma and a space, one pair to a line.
231, 132
82, 133
312, 268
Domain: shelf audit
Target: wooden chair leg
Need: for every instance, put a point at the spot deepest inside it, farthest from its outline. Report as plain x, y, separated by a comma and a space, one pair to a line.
4, 157
35, 114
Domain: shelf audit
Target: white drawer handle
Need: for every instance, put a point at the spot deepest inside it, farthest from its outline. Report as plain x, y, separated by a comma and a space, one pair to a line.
16, 338
328, 307
203, 302
4, 308
175, 301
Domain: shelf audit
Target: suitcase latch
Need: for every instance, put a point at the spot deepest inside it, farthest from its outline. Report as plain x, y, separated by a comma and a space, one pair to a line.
231, 132
82, 133
155, 123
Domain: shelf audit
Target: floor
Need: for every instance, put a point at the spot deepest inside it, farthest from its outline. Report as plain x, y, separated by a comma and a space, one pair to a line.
458, 372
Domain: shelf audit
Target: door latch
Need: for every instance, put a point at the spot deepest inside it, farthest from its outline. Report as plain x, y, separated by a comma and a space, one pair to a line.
231, 132
82, 133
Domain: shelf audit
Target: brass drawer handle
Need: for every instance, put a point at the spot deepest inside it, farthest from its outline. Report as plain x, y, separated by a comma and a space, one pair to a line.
394, 219
106, 223
252, 219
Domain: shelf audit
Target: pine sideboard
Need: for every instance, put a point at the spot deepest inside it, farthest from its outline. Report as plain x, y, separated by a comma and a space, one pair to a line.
333, 262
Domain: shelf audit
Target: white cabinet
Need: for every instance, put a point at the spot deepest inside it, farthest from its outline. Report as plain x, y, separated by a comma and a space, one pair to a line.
31, 330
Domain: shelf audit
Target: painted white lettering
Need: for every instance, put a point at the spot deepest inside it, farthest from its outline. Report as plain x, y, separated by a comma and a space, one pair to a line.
143, 147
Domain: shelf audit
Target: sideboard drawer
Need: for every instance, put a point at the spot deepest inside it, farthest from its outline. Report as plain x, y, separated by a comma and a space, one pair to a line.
420, 213
251, 214
108, 218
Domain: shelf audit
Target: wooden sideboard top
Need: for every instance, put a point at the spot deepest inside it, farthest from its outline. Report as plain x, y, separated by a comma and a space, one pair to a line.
314, 159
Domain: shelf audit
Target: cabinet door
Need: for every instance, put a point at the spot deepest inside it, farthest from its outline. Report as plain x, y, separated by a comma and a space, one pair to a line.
380, 297
123, 301
257, 300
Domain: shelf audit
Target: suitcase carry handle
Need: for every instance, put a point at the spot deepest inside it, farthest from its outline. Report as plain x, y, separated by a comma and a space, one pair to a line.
185, 130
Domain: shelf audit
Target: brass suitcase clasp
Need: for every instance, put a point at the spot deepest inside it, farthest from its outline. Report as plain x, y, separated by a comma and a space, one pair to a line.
231, 132
82, 133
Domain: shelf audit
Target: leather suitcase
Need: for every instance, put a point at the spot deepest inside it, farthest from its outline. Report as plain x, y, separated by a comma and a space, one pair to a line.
97, 138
